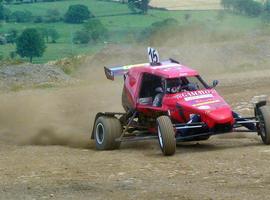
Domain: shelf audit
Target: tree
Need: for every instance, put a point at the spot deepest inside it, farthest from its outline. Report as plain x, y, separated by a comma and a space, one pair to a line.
253, 8
2, 10
76, 14
248, 7
266, 13
30, 44
139, 6
96, 30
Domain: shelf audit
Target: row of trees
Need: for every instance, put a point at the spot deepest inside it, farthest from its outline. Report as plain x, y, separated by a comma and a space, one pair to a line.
50, 35
247, 7
31, 42
27, 1
75, 14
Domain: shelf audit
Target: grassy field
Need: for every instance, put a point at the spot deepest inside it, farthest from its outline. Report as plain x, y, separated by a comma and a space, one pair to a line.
121, 25
188, 4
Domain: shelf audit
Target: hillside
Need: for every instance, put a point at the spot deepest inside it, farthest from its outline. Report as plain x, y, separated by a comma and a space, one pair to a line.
123, 26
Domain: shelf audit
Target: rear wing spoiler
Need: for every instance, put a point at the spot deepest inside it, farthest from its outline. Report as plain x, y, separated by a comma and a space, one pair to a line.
111, 72
154, 60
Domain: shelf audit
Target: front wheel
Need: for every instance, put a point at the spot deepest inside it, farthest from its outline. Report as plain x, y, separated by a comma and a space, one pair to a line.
166, 135
264, 124
107, 130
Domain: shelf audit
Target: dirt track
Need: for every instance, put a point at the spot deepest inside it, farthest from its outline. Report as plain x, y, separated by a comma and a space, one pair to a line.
64, 164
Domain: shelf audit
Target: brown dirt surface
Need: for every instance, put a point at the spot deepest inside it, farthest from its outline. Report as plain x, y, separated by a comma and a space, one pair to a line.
46, 153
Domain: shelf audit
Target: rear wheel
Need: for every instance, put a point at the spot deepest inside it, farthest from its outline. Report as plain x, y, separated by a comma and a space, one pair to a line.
166, 135
264, 124
107, 130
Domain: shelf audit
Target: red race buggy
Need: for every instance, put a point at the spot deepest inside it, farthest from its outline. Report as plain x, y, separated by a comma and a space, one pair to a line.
172, 103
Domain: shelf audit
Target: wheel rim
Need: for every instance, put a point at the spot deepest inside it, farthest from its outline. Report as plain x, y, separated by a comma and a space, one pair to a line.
160, 138
100, 133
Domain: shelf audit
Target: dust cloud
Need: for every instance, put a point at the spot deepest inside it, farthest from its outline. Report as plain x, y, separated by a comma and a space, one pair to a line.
56, 116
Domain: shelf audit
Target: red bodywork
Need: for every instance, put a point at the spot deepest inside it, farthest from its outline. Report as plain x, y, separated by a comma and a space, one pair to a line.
207, 103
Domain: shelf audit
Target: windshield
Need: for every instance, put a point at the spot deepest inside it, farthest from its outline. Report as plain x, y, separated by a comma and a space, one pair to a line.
182, 84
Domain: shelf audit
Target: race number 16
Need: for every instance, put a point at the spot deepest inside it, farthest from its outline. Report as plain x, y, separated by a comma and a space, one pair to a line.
153, 56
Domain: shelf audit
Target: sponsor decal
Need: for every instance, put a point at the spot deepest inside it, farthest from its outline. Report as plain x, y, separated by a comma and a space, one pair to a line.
195, 93
204, 107
198, 97
205, 103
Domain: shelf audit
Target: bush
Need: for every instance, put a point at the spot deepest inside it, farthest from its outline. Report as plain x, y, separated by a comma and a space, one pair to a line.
12, 54
77, 14
81, 37
159, 32
159, 26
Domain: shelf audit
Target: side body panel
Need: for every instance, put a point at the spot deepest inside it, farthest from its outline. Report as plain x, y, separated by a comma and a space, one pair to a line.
131, 90
207, 103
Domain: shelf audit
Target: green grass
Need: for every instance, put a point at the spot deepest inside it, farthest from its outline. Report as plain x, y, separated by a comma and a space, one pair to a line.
120, 27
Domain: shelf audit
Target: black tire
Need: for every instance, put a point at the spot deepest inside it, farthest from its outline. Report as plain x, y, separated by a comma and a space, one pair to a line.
107, 130
166, 135
264, 125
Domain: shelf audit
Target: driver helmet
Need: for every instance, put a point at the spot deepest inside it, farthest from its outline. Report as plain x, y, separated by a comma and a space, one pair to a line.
174, 85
